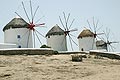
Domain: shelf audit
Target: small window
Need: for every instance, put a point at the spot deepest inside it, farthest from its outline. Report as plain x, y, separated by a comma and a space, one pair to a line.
18, 36
19, 46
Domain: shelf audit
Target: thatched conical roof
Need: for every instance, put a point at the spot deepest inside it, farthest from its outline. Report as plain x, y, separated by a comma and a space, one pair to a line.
16, 23
55, 30
86, 33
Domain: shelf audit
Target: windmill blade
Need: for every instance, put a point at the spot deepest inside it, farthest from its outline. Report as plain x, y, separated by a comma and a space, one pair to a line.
72, 40
71, 23
99, 28
31, 11
65, 19
103, 39
94, 25
96, 35
114, 42
35, 12
62, 23
108, 32
112, 48
106, 35
72, 30
68, 18
19, 15
73, 35
100, 33
66, 23
34, 38
89, 25
39, 19
100, 38
39, 33
28, 39
38, 38
108, 48
26, 12
41, 25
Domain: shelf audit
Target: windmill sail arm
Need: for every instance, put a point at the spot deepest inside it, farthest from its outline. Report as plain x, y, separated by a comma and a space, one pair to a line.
73, 30
41, 24
100, 33
114, 42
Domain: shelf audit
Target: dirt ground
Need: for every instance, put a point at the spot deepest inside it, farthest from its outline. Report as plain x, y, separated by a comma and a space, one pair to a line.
57, 67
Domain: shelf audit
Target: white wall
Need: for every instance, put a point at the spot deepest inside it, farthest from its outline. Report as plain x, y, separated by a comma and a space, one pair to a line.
87, 43
5, 45
57, 42
10, 36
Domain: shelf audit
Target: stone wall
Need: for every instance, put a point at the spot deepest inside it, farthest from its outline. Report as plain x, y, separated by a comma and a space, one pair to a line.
25, 51
106, 54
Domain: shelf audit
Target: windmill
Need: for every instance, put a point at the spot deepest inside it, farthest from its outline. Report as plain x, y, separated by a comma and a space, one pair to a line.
32, 23
95, 28
107, 42
67, 28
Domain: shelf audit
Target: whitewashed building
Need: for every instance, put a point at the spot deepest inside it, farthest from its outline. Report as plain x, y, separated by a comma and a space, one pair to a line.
56, 39
17, 32
86, 40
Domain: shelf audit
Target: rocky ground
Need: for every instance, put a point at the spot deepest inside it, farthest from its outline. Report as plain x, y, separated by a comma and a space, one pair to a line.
57, 67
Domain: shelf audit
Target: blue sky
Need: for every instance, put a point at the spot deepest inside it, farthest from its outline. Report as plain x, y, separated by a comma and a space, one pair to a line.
107, 11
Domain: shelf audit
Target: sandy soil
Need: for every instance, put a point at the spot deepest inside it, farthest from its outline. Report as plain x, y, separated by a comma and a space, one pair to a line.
57, 67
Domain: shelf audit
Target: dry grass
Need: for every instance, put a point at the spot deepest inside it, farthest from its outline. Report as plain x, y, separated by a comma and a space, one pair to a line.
57, 67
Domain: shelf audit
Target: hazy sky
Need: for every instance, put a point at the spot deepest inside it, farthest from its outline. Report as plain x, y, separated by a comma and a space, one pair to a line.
107, 11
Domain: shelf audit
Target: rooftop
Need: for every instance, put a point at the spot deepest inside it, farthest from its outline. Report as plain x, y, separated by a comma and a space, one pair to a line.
16, 23
86, 33
55, 30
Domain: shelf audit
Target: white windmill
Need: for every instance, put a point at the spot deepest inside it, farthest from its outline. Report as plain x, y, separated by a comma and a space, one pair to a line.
107, 42
55, 38
86, 40
14, 30
88, 37
67, 30
23, 32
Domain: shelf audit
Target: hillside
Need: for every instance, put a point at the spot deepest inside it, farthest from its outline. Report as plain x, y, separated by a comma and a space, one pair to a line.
57, 67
